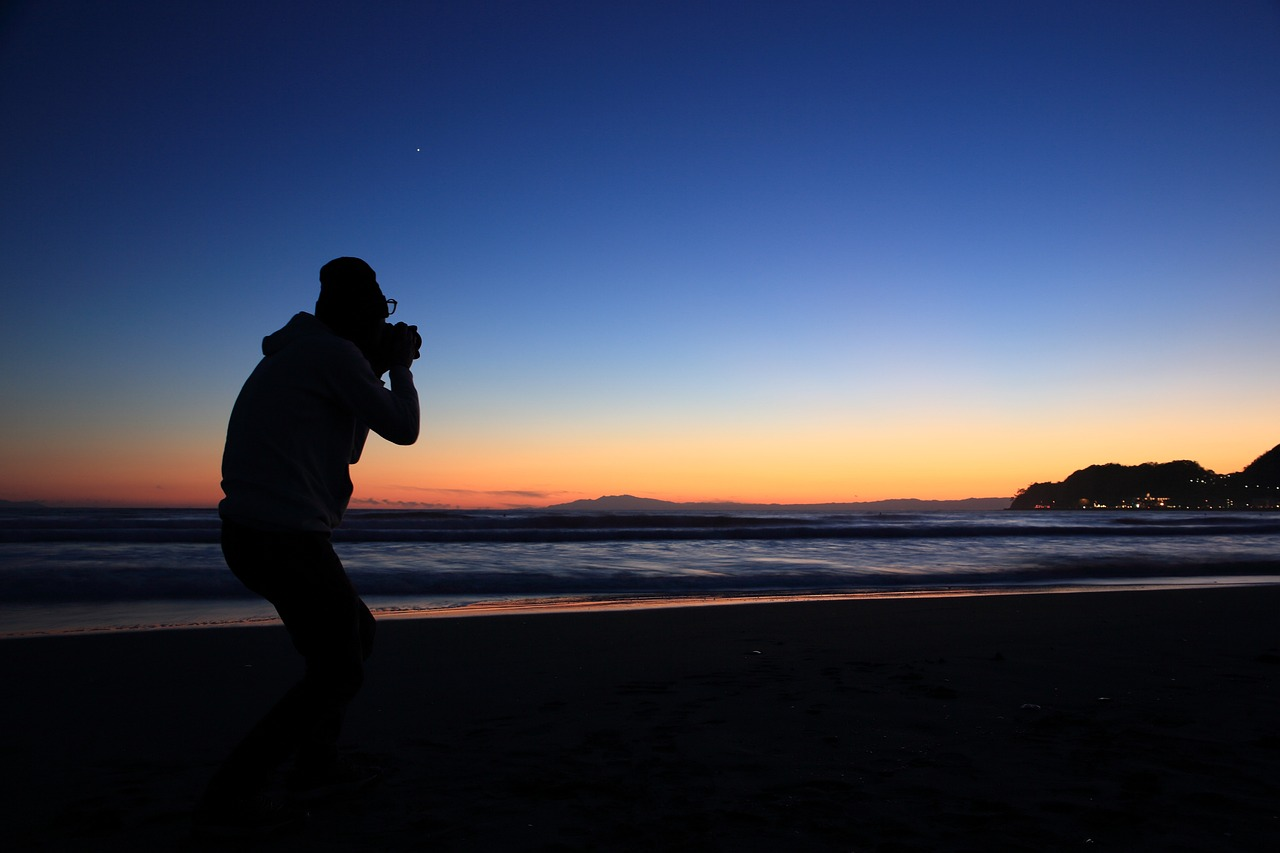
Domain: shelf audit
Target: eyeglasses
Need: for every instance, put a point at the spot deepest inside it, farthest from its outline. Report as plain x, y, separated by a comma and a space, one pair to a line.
391, 307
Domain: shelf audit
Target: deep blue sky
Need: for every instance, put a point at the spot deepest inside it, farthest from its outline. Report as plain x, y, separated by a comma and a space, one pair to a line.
764, 251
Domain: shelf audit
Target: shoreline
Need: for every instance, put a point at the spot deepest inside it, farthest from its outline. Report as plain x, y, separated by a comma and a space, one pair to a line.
253, 613
1121, 721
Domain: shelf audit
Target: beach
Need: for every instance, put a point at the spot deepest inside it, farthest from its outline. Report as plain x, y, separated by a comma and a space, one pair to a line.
1145, 720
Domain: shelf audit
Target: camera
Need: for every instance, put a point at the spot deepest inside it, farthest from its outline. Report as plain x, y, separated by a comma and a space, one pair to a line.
395, 329
417, 342
383, 351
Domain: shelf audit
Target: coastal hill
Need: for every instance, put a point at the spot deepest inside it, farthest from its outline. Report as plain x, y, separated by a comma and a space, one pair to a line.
1166, 485
630, 503
1182, 484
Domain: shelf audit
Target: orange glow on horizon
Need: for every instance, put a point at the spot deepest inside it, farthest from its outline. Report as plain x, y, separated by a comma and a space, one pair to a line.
827, 464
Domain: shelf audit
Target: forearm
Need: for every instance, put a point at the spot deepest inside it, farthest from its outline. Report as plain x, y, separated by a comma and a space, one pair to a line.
400, 421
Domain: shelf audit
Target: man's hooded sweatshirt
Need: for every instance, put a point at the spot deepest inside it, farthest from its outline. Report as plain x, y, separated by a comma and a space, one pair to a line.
300, 421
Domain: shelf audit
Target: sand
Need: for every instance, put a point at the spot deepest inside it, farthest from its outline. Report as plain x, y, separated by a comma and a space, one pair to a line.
1097, 721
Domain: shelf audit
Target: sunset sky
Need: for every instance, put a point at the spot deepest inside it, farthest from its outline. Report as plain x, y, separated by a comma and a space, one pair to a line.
726, 250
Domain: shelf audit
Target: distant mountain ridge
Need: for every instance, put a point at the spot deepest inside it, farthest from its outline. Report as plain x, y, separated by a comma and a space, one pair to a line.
1182, 484
631, 503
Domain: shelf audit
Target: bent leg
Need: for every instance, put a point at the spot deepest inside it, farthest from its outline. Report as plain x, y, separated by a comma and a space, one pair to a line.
330, 626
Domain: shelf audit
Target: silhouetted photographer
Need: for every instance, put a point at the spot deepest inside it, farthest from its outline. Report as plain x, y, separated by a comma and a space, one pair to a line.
300, 422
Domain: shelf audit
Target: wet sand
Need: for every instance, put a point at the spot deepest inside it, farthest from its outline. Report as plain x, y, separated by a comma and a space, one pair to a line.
1091, 721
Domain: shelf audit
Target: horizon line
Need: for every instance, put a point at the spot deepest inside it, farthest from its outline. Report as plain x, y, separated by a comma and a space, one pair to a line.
382, 503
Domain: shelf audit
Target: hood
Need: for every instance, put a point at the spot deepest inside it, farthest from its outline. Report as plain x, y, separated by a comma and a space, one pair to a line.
301, 325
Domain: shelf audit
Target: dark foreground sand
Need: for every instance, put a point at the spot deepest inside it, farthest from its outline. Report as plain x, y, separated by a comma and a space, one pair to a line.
1102, 721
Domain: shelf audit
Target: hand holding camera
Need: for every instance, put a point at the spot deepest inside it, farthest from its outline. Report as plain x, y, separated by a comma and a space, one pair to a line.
403, 343
395, 344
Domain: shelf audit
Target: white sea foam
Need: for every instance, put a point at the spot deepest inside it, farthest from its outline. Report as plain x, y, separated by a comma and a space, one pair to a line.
102, 569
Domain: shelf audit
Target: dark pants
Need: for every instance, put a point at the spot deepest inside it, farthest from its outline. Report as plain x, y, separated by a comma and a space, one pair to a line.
330, 627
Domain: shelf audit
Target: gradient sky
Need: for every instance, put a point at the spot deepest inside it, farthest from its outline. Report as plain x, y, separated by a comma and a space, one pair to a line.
730, 250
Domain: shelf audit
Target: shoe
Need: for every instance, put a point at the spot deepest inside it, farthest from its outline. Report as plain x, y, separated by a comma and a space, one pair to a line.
342, 779
245, 818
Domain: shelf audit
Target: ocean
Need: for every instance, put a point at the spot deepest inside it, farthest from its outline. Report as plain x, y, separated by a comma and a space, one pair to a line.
79, 570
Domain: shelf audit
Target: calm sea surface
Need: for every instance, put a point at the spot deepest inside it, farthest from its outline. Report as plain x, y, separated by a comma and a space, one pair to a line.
64, 570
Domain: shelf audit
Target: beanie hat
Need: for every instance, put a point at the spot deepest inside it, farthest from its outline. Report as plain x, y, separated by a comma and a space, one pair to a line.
349, 293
